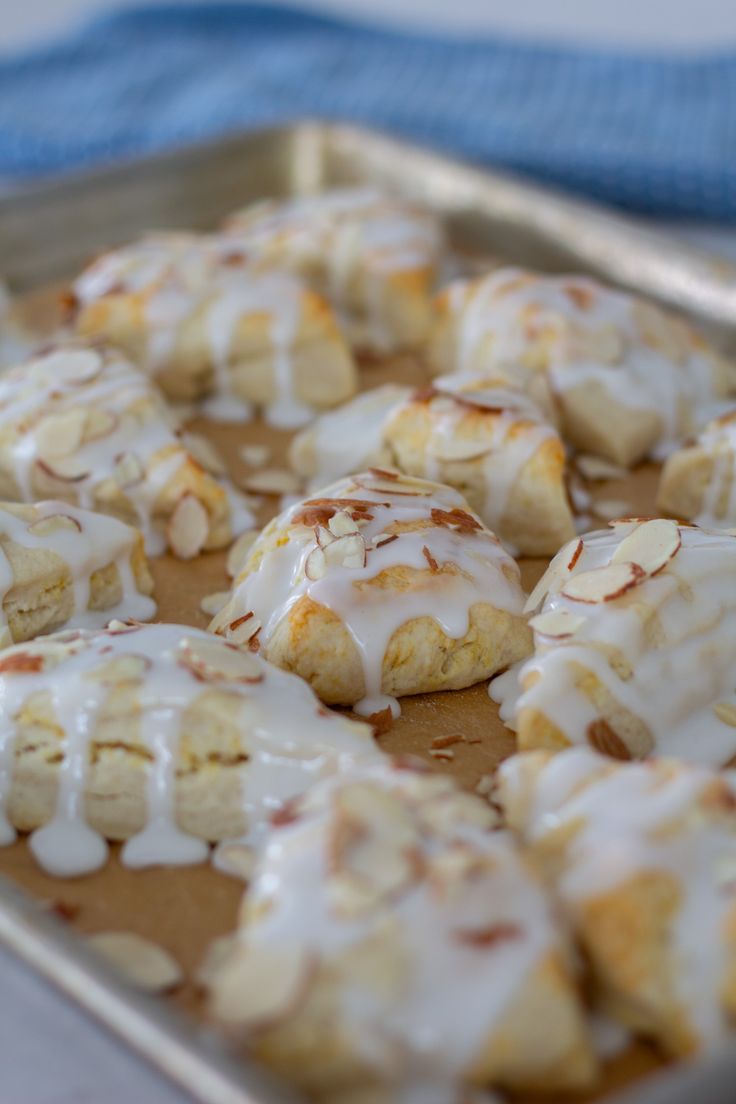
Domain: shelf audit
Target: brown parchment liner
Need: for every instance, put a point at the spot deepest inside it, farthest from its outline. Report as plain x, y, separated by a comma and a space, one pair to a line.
183, 909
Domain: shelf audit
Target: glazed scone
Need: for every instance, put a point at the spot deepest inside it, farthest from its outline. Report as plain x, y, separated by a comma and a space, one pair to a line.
493, 445
347, 439
642, 858
380, 586
79, 423
390, 933
699, 482
62, 566
161, 735
635, 646
375, 257
625, 379
192, 312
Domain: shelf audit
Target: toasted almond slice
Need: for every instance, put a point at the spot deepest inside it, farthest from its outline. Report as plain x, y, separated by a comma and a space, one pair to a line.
556, 623
453, 448
54, 523
74, 366
238, 553
128, 470
211, 604
99, 423
348, 551
315, 565
124, 668
188, 527
64, 469
243, 629
610, 508
596, 468
651, 545
141, 962
117, 628
273, 481
341, 524
216, 660
726, 712
59, 435
205, 453
603, 584
255, 456
262, 986
392, 483
555, 573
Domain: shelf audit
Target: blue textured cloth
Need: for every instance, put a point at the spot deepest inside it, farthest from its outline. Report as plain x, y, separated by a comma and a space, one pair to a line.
649, 133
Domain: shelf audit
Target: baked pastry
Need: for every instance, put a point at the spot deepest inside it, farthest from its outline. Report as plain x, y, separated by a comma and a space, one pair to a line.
625, 379
642, 857
493, 444
80, 424
191, 311
379, 586
160, 735
699, 481
60, 565
374, 256
635, 645
347, 439
388, 933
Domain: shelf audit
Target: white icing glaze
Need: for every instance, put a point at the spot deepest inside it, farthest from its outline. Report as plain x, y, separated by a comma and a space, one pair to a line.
289, 740
181, 274
591, 334
448, 995
675, 633
96, 541
636, 818
77, 381
351, 239
486, 572
348, 438
719, 501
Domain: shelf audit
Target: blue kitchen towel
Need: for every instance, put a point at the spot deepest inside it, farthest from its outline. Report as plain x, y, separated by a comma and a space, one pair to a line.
650, 133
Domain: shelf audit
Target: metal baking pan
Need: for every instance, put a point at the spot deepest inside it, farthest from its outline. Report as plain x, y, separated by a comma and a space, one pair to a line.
47, 230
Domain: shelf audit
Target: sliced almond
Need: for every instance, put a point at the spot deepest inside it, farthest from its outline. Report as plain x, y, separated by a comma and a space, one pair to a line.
555, 573
125, 668
255, 456
341, 524
726, 712
315, 565
64, 469
596, 468
577, 553
60, 435
216, 660
259, 987
205, 453
238, 553
128, 470
73, 366
141, 962
557, 623
272, 481
603, 584
211, 604
393, 483
188, 528
348, 551
651, 545
99, 423
54, 523
243, 629
453, 448
117, 628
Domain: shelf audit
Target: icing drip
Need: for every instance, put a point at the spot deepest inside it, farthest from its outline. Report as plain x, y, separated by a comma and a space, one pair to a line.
636, 818
182, 274
443, 998
719, 500
461, 562
288, 739
90, 421
665, 650
576, 331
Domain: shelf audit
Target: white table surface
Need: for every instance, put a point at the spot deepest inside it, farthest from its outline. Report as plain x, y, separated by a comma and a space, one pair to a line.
50, 1053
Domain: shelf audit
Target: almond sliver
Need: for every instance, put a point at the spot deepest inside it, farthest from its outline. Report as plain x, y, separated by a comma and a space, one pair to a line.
651, 545
603, 584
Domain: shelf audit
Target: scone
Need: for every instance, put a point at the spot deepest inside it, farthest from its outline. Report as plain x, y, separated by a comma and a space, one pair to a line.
62, 566
388, 933
347, 439
492, 444
625, 379
192, 312
642, 857
375, 257
379, 586
635, 645
699, 482
80, 424
161, 735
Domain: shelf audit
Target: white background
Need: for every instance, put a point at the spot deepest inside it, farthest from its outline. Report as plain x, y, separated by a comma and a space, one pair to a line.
49, 1054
